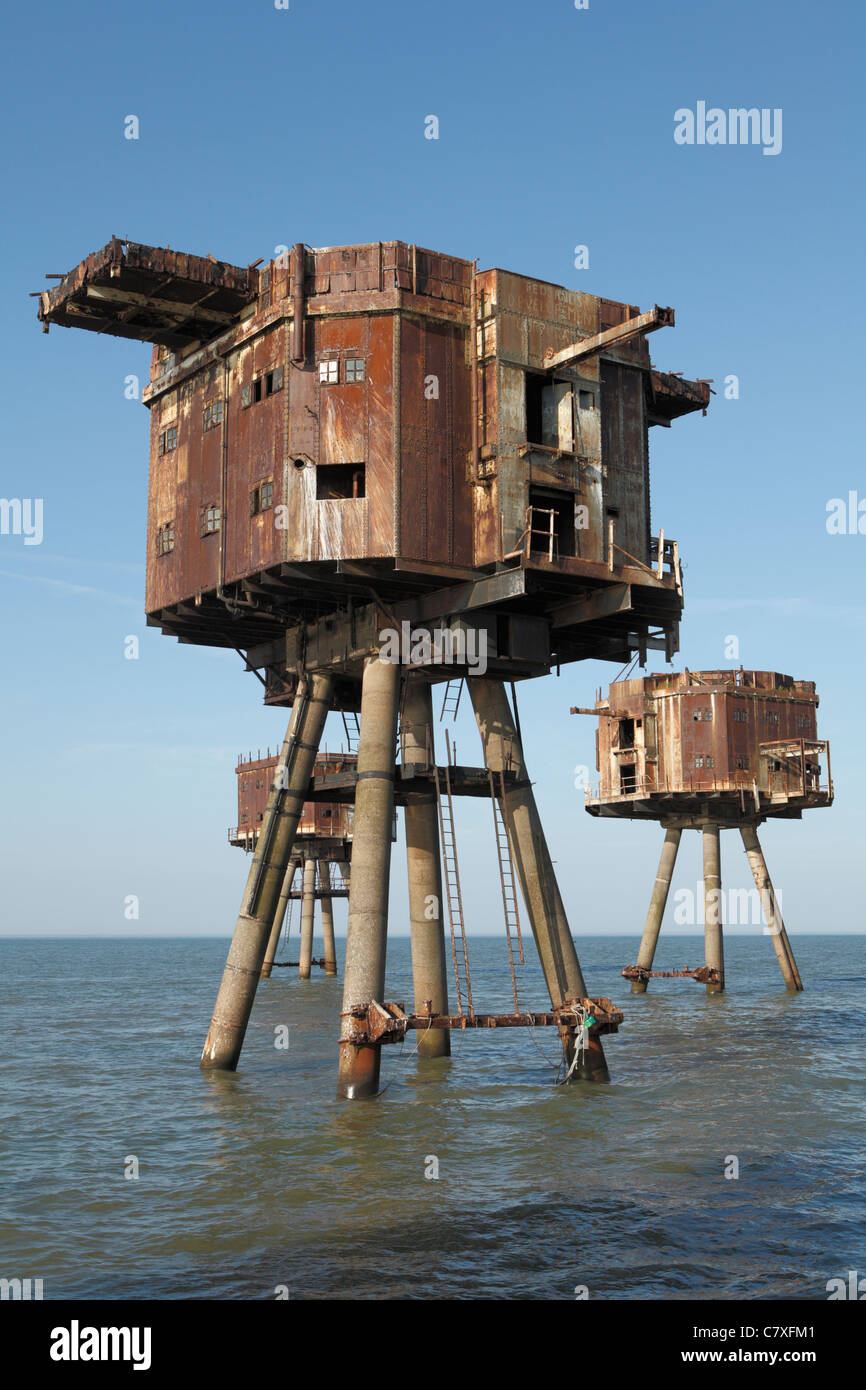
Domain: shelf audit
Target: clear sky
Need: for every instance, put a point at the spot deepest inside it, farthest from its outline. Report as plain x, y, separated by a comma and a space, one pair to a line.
259, 127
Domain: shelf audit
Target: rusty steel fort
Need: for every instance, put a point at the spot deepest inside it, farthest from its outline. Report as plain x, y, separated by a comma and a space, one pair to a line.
349, 438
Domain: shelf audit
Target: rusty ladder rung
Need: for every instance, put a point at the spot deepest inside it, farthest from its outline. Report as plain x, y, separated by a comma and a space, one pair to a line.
451, 877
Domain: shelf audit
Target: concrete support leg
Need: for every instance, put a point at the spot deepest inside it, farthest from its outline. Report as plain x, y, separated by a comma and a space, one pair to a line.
308, 919
658, 902
267, 874
279, 919
330, 949
544, 906
714, 949
426, 915
371, 862
772, 913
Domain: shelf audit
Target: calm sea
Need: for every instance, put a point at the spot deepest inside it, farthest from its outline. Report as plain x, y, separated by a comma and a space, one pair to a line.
261, 1180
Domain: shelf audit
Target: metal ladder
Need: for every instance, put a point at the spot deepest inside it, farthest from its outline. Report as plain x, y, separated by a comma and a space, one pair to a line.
353, 730
451, 699
506, 878
287, 920
451, 878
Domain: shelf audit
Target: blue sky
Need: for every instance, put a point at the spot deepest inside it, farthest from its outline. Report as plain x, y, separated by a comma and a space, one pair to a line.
261, 127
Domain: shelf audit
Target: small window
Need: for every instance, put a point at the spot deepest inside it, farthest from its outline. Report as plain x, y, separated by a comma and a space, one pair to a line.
257, 390
273, 381
210, 521
741, 763
703, 714
245, 817
329, 371
354, 369
165, 538
772, 716
266, 496
699, 762
168, 439
254, 501
335, 481
739, 716
213, 414
326, 815
802, 721
246, 397
711, 762
586, 400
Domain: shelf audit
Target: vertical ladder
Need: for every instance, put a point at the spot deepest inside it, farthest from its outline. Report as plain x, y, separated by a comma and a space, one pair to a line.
451, 878
353, 730
451, 699
287, 920
506, 877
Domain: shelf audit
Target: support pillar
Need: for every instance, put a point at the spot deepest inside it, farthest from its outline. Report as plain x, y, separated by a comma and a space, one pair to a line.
658, 902
714, 949
330, 950
429, 968
279, 919
772, 914
358, 1074
544, 906
308, 918
267, 873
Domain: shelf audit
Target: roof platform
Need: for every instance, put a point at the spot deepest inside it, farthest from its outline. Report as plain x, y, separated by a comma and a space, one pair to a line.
150, 293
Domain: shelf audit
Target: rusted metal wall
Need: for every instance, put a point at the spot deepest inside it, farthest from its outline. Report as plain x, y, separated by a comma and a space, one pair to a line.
325, 819
707, 728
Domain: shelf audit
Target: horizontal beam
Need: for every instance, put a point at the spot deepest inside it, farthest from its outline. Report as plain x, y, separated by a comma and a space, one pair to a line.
617, 598
644, 323
461, 598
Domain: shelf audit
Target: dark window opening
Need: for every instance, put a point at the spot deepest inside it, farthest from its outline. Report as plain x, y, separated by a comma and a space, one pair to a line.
535, 385
626, 733
257, 390
273, 381
339, 480
586, 400
551, 510
628, 779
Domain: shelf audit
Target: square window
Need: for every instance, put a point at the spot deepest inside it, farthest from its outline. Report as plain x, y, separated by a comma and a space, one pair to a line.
213, 414
586, 400
711, 762
165, 538
168, 439
329, 370
354, 369
273, 381
699, 762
